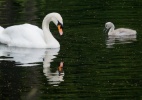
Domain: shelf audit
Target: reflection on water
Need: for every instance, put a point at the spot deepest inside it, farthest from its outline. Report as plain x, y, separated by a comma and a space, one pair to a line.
54, 78
92, 71
22, 56
112, 40
27, 57
60, 69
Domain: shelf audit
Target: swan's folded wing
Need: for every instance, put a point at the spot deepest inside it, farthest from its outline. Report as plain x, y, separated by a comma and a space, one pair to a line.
25, 35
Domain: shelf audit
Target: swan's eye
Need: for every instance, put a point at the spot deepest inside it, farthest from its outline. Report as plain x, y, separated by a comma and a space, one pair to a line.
61, 26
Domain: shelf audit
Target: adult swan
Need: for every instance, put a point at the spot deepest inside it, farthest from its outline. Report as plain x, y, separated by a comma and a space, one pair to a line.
31, 36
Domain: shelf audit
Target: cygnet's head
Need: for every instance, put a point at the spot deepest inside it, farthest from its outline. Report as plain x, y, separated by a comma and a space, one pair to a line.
109, 25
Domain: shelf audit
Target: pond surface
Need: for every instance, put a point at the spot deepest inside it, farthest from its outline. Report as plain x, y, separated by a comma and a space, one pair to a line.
89, 65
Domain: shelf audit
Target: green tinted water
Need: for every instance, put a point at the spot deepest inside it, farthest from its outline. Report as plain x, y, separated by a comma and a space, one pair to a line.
95, 67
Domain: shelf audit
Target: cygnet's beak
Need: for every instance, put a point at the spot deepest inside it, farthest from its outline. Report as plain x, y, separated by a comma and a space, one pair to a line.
60, 29
105, 30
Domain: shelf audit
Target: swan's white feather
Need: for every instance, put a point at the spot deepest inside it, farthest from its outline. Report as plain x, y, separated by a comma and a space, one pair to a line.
31, 36
25, 35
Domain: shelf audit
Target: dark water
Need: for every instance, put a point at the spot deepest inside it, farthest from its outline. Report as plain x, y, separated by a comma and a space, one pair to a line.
96, 67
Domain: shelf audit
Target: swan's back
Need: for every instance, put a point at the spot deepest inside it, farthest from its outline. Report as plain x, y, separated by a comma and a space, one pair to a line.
25, 35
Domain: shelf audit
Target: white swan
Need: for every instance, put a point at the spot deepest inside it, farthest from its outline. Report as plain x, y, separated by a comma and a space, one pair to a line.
118, 32
31, 36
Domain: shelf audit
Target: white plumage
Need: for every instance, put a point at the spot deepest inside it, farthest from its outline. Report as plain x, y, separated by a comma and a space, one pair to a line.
31, 36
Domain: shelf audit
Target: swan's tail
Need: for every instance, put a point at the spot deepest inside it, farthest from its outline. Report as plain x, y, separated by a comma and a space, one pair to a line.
1, 29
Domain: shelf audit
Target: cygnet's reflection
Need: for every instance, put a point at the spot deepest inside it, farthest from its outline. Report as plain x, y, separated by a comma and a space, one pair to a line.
112, 40
32, 57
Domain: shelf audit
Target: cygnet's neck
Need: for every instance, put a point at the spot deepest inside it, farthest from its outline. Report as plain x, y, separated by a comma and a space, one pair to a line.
111, 30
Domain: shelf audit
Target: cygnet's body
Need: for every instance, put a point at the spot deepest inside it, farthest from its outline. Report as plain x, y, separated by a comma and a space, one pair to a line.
118, 32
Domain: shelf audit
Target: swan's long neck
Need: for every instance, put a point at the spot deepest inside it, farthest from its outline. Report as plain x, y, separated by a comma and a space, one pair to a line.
111, 30
48, 37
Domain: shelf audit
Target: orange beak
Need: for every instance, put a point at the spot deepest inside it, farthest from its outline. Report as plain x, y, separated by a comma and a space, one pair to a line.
60, 29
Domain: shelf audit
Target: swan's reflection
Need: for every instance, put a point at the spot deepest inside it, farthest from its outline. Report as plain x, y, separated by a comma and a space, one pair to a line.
111, 40
32, 57
22, 56
56, 77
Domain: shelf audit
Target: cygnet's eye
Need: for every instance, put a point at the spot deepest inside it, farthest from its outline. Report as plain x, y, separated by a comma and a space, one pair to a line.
107, 26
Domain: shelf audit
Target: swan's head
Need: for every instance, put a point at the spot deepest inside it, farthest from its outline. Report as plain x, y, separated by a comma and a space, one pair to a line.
58, 21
